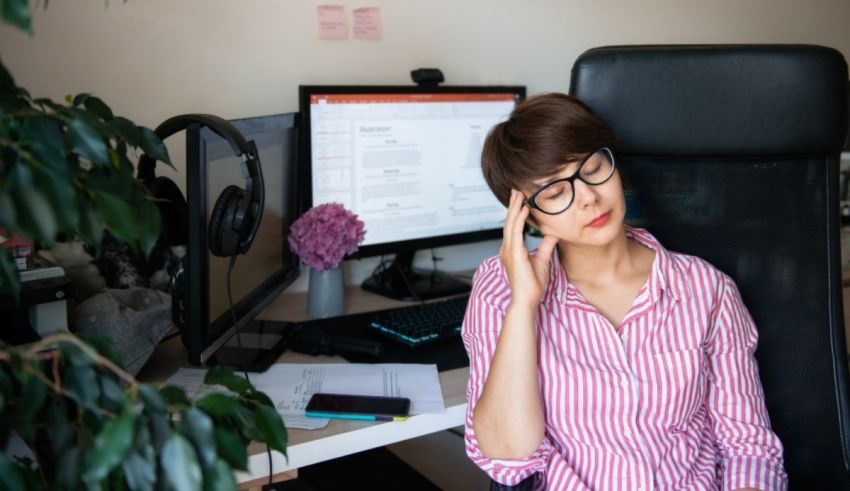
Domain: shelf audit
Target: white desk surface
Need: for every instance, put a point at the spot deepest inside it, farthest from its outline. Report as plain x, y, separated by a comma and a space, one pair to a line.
340, 437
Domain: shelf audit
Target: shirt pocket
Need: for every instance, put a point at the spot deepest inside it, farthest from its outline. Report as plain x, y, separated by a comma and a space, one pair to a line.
677, 384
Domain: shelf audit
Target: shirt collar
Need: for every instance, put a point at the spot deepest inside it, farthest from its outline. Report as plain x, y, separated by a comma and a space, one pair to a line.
664, 277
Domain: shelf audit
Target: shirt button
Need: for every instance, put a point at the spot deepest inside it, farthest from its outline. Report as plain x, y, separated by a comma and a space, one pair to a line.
624, 383
627, 432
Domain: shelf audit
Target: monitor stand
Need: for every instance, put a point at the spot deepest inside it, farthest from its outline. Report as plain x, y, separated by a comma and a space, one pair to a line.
401, 281
259, 345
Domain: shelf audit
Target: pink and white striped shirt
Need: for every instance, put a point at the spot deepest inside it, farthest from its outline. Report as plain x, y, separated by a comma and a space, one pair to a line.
671, 399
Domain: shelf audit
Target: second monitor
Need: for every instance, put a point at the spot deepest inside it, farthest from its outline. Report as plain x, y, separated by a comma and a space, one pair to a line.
406, 160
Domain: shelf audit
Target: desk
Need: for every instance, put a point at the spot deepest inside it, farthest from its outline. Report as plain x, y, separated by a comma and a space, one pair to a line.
340, 437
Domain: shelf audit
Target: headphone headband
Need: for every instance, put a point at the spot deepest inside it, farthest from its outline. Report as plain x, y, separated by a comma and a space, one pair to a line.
252, 207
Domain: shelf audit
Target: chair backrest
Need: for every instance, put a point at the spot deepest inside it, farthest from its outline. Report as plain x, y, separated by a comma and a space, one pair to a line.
731, 153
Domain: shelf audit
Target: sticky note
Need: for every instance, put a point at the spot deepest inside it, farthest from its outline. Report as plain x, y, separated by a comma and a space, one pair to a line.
367, 23
331, 21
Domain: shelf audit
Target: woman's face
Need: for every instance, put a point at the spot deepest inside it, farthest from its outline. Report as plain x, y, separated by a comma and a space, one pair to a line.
595, 216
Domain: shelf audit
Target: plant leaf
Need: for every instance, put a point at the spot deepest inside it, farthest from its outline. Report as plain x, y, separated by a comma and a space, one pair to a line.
62, 197
198, 428
222, 375
111, 396
139, 472
247, 424
219, 405
104, 346
175, 396
68, 469
9, 279
98, 107
45, 138
56, 422
221, 479
180, 464
270, 426
128, 131
149, 222
74, 355
117, 216
160, 430
231, 448
7, 82
152, 399
90, 226
7, 210
10, 479
39, 220
81, 384
261, 398
87, 142
110, 446
33, 395
153, 146
17, 13
79, 99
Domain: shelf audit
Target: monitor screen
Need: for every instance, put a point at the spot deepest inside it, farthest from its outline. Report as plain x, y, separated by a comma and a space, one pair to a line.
406, 160
269, 266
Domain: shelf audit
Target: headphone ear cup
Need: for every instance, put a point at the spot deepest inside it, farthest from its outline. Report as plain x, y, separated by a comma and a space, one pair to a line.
223, 238
172, 209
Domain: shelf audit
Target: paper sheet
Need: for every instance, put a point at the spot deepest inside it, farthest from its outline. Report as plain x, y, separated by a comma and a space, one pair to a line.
419, 383
332, 22
290, 386
191, 380
367, 23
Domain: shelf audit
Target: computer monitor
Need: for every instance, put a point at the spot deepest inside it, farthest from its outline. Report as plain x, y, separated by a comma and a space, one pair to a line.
407, 161
268, 267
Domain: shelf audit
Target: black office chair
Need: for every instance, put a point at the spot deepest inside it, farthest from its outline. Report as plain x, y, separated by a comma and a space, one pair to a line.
731, 153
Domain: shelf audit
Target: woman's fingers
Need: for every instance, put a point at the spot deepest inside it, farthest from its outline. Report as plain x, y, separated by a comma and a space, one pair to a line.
543, 256
517, 226
507, 231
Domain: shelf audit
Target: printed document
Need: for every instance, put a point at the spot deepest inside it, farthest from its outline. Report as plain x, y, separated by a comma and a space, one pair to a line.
290, 386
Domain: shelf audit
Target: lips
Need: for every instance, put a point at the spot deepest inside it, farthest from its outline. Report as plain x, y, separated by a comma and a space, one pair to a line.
600, 221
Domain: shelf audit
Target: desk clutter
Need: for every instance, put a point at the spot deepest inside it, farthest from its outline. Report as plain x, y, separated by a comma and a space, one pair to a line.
290, 386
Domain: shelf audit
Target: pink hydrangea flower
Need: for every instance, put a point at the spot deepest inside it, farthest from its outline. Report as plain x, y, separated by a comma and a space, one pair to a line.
325, 234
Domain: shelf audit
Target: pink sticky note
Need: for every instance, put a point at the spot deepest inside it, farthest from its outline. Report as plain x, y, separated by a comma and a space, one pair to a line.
332, 22
367, 23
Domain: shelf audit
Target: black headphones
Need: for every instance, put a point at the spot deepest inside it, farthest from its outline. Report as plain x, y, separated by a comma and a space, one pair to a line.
236, 215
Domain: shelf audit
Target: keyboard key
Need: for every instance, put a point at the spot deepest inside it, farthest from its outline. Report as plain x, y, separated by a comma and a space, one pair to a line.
420, 325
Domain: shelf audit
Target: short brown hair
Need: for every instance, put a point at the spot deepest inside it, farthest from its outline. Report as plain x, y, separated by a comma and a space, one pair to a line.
543, 133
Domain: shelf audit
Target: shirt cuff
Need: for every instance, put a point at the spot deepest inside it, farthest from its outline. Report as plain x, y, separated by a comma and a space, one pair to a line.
754, 472
510, 471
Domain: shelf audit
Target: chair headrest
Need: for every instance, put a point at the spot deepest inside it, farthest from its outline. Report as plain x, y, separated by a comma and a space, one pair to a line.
718, 101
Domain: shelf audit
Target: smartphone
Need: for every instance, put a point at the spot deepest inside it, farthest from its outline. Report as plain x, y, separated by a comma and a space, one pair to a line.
358, 407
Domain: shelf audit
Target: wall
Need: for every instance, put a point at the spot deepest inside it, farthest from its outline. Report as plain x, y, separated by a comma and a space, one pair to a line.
150, 59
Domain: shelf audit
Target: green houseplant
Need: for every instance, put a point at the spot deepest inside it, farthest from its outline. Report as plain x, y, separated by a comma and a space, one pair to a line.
65, 171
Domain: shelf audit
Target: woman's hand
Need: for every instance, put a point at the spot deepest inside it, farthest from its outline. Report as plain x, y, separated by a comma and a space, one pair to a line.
527, 274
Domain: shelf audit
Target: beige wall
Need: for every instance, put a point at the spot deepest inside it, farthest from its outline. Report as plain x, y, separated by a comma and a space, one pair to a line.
150, 59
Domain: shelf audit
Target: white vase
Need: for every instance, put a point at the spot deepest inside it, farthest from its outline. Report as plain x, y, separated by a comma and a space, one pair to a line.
326, 297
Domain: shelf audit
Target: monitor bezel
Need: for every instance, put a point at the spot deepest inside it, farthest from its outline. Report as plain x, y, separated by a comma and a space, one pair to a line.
206, 336
304, 94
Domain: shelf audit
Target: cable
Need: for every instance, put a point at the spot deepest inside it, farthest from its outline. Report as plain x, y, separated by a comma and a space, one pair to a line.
239, 344
233, 312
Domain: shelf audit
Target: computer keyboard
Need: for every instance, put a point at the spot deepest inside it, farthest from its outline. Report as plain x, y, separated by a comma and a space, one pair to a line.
422, 324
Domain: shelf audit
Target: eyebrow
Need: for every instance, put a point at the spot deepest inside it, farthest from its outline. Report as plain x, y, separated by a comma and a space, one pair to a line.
557, 177
577, 163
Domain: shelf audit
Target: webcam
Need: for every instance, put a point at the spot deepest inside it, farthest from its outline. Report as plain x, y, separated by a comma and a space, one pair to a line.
427, 77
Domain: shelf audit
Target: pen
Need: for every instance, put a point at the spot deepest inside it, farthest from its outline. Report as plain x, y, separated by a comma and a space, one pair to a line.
360, 417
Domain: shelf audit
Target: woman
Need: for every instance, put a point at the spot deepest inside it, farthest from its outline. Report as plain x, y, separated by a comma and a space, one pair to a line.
602, 360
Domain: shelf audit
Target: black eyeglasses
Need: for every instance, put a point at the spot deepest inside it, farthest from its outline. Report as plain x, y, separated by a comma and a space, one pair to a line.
555, 197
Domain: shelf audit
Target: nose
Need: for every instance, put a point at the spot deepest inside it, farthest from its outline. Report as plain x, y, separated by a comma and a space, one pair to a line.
585, 194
